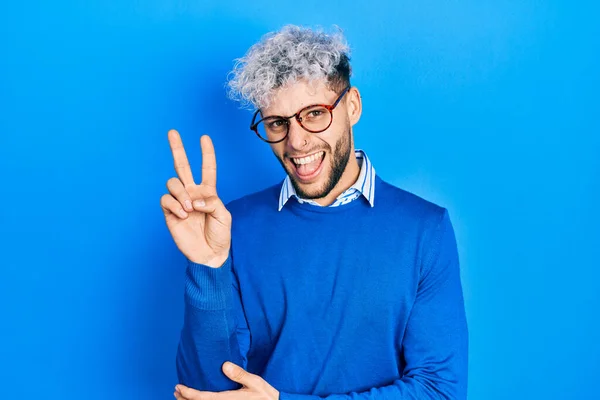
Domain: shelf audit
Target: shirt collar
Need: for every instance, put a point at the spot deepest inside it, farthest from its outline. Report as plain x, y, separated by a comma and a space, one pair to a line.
365, 184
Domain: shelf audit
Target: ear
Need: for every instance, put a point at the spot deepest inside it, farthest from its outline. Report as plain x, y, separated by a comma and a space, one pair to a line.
353, 105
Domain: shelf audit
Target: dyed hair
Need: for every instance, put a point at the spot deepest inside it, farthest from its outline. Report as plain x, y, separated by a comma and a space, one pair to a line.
285, 57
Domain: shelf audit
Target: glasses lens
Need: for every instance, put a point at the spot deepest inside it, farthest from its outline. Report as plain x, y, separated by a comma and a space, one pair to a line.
272, 129
316, 118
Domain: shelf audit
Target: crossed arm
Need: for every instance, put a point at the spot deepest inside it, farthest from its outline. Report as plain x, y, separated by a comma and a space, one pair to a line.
434, 347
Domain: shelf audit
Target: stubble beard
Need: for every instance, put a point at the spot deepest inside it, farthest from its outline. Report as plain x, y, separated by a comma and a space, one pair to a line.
338, 163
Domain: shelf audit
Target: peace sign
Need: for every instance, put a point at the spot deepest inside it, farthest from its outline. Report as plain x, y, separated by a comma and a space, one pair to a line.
182, 165
197, 219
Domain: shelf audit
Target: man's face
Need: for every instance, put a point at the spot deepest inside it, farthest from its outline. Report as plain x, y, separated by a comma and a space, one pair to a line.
315, 162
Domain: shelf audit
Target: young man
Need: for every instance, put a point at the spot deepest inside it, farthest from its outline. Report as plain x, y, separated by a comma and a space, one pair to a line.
331, 284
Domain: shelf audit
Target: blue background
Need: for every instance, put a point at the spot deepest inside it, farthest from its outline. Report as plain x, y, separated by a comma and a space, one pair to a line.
489, 108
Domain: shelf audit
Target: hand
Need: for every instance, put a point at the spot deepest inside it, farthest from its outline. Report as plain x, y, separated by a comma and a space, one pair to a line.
255, 388
197, 219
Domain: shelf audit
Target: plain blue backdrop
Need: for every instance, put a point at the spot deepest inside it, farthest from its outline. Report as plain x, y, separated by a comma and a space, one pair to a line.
487, 107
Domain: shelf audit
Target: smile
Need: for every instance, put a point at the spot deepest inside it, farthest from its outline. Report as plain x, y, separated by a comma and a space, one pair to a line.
309, 167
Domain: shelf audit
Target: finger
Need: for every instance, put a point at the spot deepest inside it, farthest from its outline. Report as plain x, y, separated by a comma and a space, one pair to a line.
178, 191
239, 375
193, 394
178, 394
209, 162
182, 165
171, 206
214, 206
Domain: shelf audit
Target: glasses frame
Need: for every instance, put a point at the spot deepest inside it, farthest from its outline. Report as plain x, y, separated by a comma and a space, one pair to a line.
329, 107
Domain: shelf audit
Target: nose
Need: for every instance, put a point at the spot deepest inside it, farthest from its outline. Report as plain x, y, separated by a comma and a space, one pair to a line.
297, 136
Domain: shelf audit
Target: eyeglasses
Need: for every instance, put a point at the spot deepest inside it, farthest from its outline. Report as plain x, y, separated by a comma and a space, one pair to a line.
314, 118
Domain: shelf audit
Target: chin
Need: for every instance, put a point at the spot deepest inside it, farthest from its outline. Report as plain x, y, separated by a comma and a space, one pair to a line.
312, 192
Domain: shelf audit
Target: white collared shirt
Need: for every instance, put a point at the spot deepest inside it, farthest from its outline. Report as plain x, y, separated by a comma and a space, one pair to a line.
364, 185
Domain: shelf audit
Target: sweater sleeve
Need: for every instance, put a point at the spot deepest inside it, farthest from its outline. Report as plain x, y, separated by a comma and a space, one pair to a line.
435, 343
214, 328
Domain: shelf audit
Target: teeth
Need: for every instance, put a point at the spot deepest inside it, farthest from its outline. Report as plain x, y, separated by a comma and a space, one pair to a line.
309, 159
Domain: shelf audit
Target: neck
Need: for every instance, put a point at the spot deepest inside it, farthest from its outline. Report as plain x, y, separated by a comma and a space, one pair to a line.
348, 179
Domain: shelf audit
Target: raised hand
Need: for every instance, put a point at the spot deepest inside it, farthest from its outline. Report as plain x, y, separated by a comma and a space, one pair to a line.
196, 217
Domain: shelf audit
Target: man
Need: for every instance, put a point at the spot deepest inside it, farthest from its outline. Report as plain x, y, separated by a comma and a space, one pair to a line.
331, 284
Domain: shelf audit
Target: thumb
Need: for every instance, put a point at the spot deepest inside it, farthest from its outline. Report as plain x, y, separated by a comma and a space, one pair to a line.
214, 206
238, 374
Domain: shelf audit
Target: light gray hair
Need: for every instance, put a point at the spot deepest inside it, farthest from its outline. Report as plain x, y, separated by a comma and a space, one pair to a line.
285, 57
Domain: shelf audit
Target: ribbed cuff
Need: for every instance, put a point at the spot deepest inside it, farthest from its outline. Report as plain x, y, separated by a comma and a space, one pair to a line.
208, 288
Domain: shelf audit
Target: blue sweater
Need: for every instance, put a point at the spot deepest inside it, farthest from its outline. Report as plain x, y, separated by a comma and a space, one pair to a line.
350, 302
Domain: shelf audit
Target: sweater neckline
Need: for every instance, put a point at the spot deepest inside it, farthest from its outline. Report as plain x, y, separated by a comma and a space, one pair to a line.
360, 201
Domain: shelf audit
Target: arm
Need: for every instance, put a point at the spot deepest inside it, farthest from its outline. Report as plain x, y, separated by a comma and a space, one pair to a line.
435, 343
214, 328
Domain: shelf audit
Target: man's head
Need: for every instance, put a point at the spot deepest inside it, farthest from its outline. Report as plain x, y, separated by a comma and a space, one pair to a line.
281, 76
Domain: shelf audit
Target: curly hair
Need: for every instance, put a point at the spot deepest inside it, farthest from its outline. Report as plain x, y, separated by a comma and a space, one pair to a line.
285, 57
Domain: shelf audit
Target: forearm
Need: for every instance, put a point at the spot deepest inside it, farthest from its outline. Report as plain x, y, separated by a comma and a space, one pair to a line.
209, 334
417, 388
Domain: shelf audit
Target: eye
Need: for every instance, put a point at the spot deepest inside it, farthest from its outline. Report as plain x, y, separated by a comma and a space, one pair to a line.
278, 123
315, 113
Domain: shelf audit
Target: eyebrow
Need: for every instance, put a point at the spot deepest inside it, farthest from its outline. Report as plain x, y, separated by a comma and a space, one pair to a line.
288, 117
274, 116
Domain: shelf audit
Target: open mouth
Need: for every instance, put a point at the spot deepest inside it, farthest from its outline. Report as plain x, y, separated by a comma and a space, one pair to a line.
309, 167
